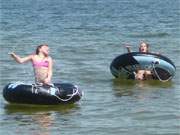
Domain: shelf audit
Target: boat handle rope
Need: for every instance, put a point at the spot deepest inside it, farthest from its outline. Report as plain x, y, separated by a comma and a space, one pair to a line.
75, 91
156, 73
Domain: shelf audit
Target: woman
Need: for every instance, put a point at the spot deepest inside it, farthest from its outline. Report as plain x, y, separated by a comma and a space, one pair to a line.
142, 74
143, 47
41, 62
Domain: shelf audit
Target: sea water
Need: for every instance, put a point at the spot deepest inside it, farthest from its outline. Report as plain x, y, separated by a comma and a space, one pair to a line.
84, 37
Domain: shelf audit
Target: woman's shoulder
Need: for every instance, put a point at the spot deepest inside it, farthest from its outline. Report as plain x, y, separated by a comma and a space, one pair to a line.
49, 58
34, 56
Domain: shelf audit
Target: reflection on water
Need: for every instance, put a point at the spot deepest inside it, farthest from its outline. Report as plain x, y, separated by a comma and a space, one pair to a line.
30, 109
124, 87
45, 121
39, 118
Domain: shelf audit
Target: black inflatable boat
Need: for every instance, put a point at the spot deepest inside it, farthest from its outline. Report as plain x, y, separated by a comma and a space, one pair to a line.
58, 93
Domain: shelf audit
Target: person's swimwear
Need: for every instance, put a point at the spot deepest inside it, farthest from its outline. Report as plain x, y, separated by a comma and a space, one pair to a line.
39, 64
40, 69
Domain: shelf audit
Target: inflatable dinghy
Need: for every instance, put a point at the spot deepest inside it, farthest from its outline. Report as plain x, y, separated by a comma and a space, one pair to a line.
125, 66
58, 93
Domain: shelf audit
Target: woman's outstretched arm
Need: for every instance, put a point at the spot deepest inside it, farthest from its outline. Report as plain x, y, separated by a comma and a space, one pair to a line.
20, 60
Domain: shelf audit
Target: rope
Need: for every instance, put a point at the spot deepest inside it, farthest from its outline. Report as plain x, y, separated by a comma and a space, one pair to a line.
156, 73
75, 91
35, 87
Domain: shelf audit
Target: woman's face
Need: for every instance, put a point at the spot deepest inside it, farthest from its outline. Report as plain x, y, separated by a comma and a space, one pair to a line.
45, 50
143, 48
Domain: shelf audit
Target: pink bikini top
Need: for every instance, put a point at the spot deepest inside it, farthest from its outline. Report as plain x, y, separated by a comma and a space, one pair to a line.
40, 63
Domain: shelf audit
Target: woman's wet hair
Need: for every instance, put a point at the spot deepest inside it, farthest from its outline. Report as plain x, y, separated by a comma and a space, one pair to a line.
39, 47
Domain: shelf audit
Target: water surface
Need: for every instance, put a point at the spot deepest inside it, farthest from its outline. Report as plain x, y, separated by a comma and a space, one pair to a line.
84, 37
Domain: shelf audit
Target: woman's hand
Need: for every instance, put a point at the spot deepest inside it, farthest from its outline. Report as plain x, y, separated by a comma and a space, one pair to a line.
128, 47
12, 54
47, 81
